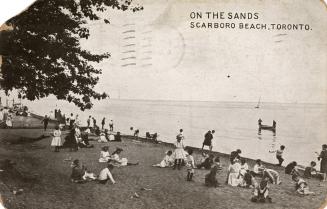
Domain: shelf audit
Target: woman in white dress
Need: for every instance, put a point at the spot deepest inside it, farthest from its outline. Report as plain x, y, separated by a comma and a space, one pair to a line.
56, 140
9, 121
179, 153
104, 155
233, 173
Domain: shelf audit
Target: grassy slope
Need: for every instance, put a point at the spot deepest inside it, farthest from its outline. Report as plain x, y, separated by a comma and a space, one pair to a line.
53, 188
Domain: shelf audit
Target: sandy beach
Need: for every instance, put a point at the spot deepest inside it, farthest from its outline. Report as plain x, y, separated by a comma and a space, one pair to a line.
45, 179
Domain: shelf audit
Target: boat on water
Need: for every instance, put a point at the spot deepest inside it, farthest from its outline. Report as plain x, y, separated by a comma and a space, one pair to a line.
258, 105
267, 127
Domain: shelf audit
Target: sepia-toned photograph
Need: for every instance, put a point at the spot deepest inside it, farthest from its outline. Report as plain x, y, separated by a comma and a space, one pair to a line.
164, 104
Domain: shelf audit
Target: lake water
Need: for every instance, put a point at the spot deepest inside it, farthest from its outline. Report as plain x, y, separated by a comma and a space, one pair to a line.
300, 127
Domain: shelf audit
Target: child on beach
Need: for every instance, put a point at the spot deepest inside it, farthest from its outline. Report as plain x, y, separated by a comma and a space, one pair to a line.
102, 137
257, 169
190, 165
279, 155
289, 168
210, 178
117, 161
271, 175
56, 140
105, 175
179, 152
104, 155
301, 186
261, 192
233, 173
235, 155
208, 161
80, 173
311, 171
168, 161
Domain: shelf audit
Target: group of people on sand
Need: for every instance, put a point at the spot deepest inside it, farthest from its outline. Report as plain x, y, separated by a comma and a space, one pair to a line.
239, 173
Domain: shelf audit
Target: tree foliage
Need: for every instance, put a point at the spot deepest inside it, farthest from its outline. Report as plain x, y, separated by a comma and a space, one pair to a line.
42, 53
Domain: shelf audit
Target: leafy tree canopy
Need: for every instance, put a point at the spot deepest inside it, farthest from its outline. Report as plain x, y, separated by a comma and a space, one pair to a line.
41, 54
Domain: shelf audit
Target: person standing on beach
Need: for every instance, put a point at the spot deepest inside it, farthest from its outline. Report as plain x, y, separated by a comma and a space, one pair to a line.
94, 122
190, 165
45, 122
103, 122
71, 121
208, 140
89, 122
56, 140
323, 161
179, 152
279, 155
111, 125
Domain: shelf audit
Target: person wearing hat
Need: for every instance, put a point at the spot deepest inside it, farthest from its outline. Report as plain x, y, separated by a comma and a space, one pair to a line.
78, 172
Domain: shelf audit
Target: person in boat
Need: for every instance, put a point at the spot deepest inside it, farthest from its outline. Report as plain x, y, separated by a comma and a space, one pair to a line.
274, 124
259, 122
323, 161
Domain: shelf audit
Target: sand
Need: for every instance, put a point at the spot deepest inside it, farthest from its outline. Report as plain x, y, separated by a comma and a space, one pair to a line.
46, 184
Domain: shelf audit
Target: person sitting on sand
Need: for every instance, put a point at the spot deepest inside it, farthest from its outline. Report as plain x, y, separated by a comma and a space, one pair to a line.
85, 140
311, 171
246, 180
9, 121
233, 173
301, 186
210, 178
271, 175
179, 153
56, 140
235, 155
117, 160
168, 161
102, 137
261, 192
80, 173
257, 169
289, 168
207, 163
190, 165
105, 175
104, 155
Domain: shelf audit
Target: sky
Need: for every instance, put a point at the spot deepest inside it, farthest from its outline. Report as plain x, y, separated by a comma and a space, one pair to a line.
176, 62
156, 55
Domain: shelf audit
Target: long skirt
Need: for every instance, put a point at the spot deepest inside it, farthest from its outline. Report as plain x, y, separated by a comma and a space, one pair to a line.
56, 141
